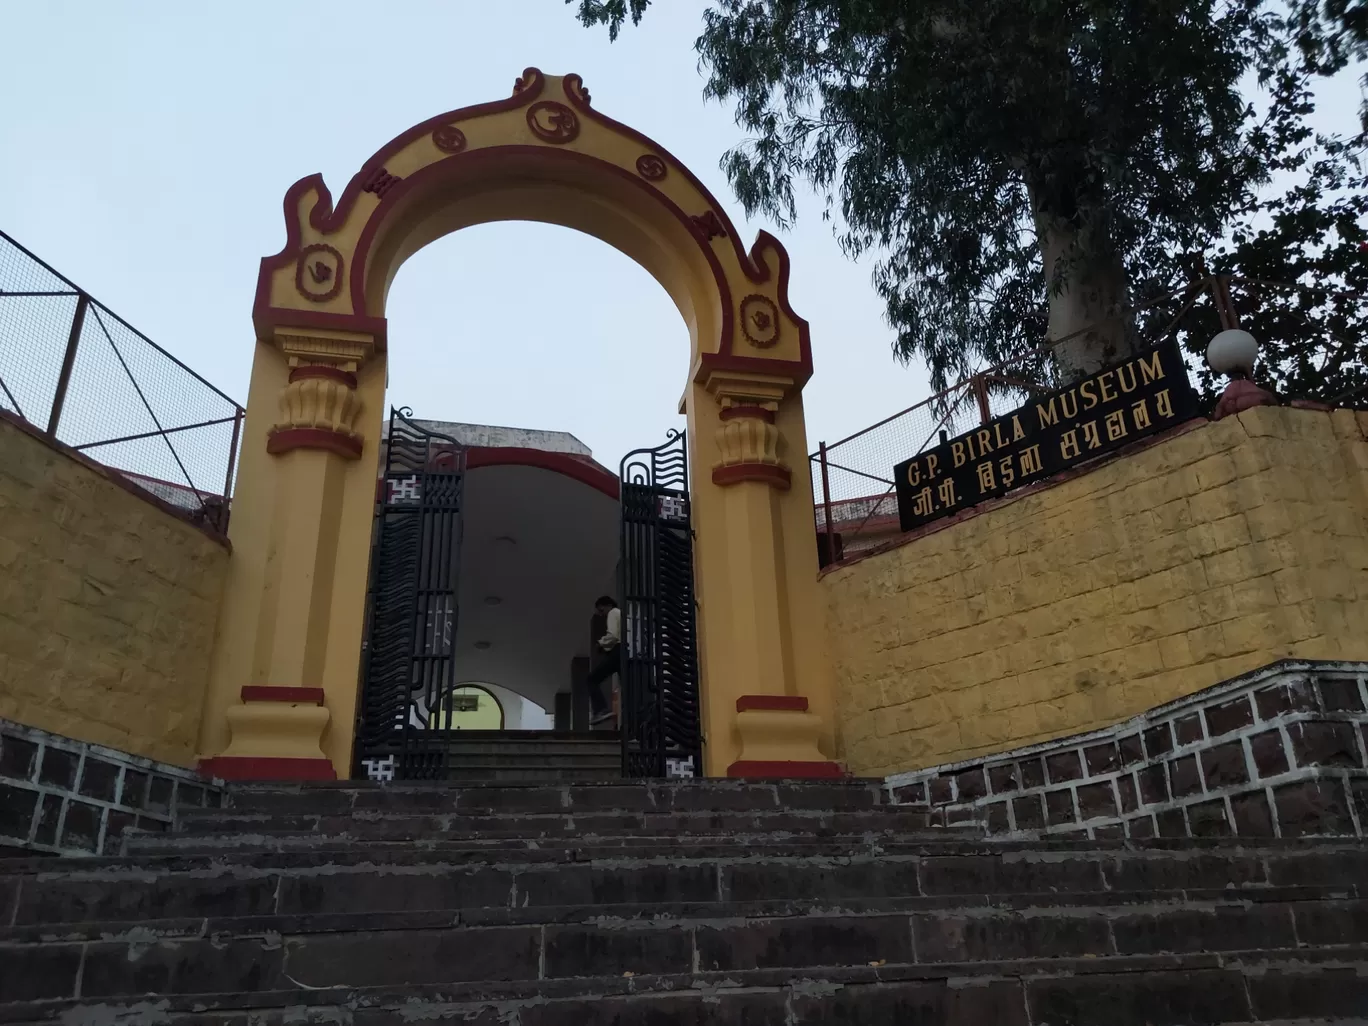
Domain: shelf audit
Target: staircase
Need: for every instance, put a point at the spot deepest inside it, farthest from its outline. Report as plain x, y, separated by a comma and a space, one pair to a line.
527, 756
652, 904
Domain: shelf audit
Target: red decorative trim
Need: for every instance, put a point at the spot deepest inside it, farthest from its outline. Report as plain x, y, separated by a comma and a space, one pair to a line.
553, 122
448, 139
782, 703
324, 218
380, 182
285, 440
652, 168
779, 477
760, 313
752, 263
710, 225
786, 770
250, 767
767, 259
583, 471
751, 412
319, 272
319, 370
269, 693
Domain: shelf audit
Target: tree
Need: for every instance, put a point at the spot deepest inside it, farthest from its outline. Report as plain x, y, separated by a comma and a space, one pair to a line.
1025, 168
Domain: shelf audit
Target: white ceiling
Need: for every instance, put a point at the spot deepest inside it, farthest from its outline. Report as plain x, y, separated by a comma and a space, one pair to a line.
563, 556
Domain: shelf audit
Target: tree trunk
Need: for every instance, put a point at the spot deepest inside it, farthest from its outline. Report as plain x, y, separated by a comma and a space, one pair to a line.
1089, 323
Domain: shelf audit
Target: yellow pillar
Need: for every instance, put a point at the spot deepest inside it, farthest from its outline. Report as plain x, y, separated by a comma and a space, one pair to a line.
767, 702
277, 688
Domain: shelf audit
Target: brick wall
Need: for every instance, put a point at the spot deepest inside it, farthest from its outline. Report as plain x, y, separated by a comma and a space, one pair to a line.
1187, 561
72, 798
107, 605
1281, 752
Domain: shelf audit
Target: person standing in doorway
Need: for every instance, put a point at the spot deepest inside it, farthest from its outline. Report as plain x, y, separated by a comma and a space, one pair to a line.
607, 659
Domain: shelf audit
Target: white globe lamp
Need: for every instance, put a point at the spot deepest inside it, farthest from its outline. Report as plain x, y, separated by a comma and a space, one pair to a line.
1233, 352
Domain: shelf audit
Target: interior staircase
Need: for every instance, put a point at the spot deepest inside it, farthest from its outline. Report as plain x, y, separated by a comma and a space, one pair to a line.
691, 902
529, 756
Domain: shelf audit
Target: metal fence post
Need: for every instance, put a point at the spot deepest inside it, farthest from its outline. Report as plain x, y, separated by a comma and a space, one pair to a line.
826, 503
981, 394
68, 362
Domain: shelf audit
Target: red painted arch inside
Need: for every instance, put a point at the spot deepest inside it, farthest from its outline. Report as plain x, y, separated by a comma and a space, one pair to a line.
581, 470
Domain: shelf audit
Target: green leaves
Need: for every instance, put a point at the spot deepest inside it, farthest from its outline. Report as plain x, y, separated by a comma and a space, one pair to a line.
963, 141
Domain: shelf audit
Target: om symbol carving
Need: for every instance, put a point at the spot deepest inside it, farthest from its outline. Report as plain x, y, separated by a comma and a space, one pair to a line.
318, 273
651, 167
760, 321
552, 121
449, 139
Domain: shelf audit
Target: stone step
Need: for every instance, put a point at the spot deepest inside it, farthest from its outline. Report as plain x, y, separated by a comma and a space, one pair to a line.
52, 892
518, 758
549, 824
634, 796
1271, 986
538, 743
381, 842
980, 908
265, 959
551, 771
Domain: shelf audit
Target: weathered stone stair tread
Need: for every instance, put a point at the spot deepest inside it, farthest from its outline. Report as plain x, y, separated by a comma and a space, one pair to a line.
750, 904
1317, 916
1232, 987
138, 893
344, 797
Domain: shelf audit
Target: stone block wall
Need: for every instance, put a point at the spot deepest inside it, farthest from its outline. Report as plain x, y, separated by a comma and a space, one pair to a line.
72, 798
1282, 752
108, 603
1085, 600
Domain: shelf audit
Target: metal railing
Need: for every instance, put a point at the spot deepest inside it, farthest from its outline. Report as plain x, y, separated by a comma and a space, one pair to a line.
856, 507
85, 377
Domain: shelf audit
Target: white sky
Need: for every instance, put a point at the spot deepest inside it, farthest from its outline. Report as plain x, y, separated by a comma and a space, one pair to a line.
147, 148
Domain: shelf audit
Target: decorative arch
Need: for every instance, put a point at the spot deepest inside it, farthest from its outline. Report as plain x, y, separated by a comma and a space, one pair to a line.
522, 158
293, 611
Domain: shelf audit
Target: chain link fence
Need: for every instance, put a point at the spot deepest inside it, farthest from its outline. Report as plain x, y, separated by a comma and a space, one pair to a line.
852, 479
85, 377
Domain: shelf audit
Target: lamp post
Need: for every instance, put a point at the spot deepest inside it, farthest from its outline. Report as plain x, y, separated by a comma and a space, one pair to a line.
1233, 352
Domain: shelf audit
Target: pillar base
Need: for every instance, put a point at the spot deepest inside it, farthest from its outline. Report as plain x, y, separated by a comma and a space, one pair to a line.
246, 767
276, 734
779, 739
755, 770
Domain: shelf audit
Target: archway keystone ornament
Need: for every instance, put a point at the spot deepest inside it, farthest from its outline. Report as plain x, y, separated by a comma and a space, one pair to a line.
293, 610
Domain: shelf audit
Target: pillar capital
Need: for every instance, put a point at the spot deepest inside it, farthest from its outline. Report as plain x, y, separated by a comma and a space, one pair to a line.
319, 407
748, 438
347, 351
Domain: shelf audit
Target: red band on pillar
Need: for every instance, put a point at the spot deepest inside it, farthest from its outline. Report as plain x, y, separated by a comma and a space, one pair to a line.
779, 477
789, 770
288, 439
318, 370
250, 767
295, 696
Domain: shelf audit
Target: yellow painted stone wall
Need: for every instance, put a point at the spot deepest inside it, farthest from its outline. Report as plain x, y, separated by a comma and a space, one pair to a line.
1208, 553
107, 606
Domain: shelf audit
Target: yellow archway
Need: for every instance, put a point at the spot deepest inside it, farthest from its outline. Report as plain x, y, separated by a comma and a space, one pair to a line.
282, 695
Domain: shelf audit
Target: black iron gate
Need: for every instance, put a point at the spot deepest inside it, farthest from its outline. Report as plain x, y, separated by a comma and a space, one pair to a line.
408, 666
660, 710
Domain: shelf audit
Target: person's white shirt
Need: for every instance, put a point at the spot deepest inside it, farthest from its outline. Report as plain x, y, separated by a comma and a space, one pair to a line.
613, 638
